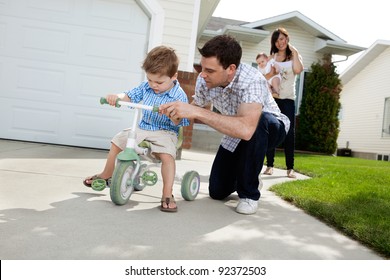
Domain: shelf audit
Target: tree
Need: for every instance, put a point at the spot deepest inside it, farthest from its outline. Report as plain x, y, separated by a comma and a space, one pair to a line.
318, 126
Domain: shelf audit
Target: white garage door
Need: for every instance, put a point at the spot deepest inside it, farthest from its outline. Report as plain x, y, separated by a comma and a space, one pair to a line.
57, 57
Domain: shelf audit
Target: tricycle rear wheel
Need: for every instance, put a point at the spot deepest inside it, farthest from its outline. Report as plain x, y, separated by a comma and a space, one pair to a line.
190, 185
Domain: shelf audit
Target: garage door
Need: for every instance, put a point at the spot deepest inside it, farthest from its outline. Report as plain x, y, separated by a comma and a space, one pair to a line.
57, 57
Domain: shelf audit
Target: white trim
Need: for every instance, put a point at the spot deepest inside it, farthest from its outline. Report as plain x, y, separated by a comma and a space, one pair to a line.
192, 47
157, 15
299, 94
363, 60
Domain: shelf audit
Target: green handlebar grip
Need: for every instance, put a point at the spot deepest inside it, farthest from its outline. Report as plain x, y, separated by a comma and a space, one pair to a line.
103, 101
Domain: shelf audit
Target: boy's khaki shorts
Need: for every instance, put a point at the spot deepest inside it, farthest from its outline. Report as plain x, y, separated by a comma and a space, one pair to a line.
161, 141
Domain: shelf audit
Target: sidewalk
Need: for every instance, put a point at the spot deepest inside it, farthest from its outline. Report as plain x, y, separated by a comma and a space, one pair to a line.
47, 213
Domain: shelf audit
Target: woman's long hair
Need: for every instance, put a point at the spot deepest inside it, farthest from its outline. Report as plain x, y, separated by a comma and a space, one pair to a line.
275, 37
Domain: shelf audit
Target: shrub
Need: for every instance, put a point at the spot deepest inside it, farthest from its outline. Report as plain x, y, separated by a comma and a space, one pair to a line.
318, 120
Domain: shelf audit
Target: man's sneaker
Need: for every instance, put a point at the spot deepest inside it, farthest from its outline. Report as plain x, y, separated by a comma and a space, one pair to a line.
247, 206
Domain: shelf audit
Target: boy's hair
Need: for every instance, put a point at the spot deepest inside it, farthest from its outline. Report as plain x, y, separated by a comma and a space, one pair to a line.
262, 54
225, 48
161, 60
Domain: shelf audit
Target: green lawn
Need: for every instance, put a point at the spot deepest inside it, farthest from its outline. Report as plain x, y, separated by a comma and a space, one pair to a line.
350, 194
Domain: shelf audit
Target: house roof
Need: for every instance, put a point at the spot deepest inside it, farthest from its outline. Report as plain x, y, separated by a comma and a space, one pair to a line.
217, 23
217, 26
206, 11
300, 20
326, 41
361, 62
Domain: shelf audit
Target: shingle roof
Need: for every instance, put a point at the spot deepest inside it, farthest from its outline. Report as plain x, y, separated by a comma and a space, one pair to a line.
217, 23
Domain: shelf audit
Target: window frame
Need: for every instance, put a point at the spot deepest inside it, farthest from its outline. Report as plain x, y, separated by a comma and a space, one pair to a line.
299, 89
386, 119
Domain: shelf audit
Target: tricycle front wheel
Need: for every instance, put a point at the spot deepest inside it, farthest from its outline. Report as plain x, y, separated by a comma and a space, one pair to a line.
122, 185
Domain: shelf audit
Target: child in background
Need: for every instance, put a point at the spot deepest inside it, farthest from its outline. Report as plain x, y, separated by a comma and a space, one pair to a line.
265, 64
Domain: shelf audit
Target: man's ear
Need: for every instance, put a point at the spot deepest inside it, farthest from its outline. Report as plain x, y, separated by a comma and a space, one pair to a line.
232, 68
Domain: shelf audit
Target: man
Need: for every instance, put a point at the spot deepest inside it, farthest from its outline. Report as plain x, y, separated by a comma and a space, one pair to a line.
250, 120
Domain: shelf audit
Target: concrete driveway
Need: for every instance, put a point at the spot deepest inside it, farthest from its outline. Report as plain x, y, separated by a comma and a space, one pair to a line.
46, 213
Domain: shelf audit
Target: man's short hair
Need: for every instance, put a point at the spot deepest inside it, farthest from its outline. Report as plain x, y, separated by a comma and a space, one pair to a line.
225, 48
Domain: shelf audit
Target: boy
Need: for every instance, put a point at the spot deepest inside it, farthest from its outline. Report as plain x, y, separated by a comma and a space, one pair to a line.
160, 65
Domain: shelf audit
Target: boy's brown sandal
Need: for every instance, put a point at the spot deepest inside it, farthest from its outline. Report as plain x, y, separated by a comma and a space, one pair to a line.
167, 201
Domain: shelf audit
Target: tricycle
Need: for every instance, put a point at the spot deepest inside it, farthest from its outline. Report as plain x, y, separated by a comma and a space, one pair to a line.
131, 173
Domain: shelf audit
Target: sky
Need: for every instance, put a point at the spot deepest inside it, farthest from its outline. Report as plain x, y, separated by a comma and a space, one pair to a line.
357, 24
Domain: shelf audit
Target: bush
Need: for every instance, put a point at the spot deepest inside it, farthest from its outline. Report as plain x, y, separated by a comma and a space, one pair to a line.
318, 127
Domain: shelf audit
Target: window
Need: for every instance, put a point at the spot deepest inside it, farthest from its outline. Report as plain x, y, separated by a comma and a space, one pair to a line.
386, 119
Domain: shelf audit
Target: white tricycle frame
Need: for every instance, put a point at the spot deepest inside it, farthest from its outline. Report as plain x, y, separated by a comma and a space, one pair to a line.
131, 173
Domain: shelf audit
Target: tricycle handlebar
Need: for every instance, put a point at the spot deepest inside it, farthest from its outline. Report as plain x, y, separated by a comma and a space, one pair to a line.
133, 105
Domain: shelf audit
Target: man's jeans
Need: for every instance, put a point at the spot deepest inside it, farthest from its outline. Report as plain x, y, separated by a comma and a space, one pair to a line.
239, 171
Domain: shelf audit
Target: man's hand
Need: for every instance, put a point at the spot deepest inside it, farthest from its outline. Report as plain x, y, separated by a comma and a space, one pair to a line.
177, 110
240, 126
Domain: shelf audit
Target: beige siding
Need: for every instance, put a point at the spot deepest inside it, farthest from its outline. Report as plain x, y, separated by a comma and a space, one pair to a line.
299, 38
178, 28
362, 101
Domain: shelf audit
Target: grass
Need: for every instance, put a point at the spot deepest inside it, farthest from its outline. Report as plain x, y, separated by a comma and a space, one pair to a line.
349, 194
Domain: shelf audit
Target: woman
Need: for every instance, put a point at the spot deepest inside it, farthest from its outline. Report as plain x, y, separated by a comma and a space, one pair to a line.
290, 63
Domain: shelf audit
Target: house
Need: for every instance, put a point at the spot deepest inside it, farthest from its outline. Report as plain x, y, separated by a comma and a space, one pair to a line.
365, 104
58, 57
311, 39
